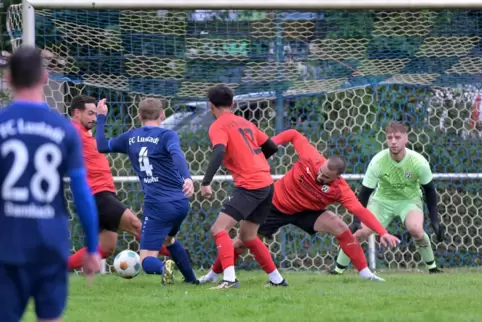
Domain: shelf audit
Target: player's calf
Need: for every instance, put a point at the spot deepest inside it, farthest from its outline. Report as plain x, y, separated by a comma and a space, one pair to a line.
248, 234
217, 268
351, 251
414, 224
180, 257
107, 243
153, 265
220, 230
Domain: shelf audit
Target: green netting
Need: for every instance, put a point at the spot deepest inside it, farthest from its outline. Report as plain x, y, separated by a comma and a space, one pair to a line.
337, 76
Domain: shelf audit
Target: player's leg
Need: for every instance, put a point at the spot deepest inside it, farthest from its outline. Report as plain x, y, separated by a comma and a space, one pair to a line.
384, 212
274, 221
220, 231
412, 215
248, 233
233, 211
50, 291
177, 251
130, 222
154, 232
122, 218
110, 211
15, 292
217, 268
328, 222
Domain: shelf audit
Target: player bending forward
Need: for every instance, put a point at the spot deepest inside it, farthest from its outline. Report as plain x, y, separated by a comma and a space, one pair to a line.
38, 148
157, 159
244, 149
113, 214
301, 197
399, 172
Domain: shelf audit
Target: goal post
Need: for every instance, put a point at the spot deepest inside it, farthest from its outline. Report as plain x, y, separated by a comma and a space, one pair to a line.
337, 71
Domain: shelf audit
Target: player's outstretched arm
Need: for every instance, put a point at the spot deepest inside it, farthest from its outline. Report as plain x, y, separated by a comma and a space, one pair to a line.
363, 198
351, 203
173, 146
301, 144
370, 182
84, 202
118, 144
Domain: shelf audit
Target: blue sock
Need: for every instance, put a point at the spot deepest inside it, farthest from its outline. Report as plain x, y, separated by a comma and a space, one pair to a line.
152, 265
179, 256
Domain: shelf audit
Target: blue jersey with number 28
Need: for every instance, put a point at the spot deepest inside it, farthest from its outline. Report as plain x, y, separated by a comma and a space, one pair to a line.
38, 147
151, 150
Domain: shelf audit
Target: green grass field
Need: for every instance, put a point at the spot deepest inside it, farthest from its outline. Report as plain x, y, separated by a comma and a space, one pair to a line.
454, 297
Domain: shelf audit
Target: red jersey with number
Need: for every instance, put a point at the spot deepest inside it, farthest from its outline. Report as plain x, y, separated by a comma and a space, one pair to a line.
298, 190
99, 175
243, 158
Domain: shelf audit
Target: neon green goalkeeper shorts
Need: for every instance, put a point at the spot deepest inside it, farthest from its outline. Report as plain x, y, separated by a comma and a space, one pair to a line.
387, 210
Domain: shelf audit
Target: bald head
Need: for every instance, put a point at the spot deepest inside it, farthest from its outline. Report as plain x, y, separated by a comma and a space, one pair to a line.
336, 163
330, 170
26, 69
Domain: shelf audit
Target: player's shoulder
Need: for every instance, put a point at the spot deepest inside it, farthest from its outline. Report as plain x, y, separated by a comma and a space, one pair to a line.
416, 158
381, 156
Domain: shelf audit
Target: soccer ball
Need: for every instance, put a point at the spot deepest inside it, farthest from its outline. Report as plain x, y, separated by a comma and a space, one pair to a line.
127, 264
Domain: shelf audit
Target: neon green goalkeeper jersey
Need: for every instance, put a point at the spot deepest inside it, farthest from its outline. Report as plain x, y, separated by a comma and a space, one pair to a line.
397, 180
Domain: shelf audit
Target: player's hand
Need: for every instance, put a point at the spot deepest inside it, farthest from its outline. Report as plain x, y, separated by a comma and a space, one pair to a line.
206, 191
439, 231
102, 108
188, 187
388, 240
91, 265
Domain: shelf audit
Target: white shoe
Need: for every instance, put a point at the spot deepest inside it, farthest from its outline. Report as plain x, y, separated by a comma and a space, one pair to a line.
208, 278
373, 277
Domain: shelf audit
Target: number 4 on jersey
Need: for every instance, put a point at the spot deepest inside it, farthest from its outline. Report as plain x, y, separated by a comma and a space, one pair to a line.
144, 164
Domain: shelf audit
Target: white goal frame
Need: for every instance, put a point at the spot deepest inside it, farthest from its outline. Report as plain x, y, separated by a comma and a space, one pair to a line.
28, 38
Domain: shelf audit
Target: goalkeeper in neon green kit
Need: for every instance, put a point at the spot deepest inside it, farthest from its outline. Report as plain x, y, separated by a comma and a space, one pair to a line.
398, 173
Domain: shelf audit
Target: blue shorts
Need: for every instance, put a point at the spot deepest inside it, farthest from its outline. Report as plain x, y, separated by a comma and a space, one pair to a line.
162, 219
46, 283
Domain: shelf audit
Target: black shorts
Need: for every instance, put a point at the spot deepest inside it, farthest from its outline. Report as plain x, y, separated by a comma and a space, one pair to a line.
250, 205
110, 210
277, 219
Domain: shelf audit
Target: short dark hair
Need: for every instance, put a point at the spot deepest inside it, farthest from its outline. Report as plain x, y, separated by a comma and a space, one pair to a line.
221, 96
79, 101
26, 67
150, 109
336, 163
395, 126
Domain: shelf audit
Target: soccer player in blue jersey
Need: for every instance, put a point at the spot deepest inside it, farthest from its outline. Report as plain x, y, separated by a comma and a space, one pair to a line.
157, 159
38, 147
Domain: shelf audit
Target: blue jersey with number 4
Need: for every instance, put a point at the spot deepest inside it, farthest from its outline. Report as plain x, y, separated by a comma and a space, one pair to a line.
156, 157
38, 147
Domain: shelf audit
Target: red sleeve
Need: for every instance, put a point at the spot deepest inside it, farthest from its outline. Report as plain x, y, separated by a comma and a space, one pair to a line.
351, 203
217, 135
301, 144
261, 137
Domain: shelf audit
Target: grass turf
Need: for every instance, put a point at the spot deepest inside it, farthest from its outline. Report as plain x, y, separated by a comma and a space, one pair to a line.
403, 297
